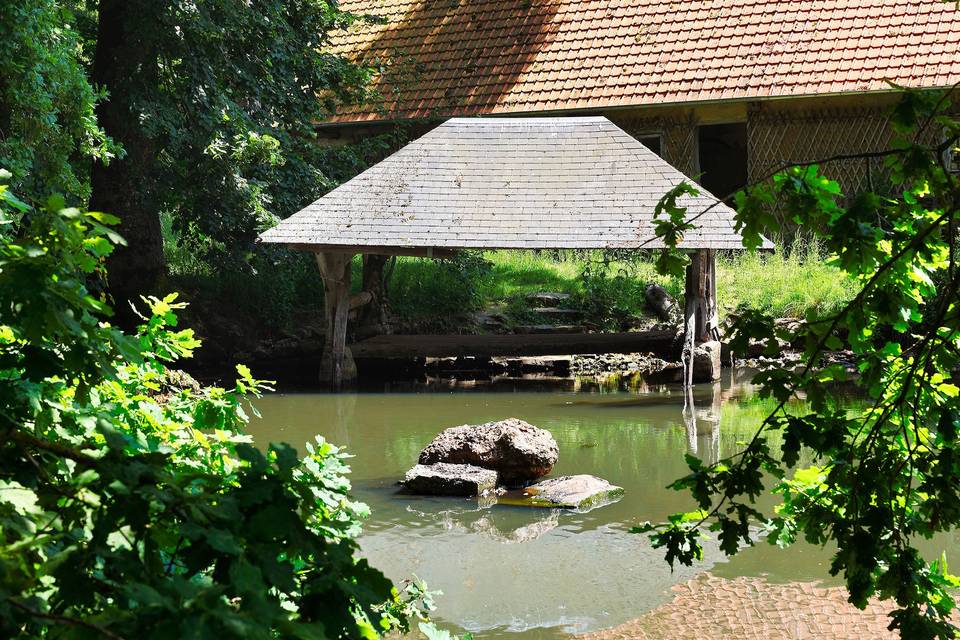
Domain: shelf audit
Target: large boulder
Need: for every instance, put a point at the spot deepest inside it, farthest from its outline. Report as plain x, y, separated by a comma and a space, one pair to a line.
518, 451
659, 301
567, 492
442, 479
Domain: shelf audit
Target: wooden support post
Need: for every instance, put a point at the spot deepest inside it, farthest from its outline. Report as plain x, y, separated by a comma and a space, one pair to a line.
701, 319
336, 363
701, 295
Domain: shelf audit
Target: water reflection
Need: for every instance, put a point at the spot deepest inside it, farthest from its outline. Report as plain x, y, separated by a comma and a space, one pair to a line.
703, 424
493, 524
540, 573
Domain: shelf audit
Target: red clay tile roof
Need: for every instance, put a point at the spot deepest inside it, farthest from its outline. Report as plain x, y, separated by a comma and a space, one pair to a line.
472, 57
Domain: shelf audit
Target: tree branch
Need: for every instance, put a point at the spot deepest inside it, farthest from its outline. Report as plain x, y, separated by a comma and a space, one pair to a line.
73, 622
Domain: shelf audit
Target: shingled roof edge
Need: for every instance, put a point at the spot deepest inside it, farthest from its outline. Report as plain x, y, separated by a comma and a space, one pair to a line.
581, 111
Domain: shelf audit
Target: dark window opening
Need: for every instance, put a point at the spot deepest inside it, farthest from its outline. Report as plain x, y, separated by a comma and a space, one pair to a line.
651, 141
723, 158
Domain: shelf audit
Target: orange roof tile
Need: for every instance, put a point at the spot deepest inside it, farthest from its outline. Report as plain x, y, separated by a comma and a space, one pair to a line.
458, 57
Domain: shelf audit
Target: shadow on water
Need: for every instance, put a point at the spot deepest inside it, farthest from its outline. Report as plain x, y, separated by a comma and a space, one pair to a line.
527, 573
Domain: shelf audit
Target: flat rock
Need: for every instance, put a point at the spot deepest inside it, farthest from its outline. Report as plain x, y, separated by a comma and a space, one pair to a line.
442, 479
566, 492
549, 328
518, 451
557, 312
547, 298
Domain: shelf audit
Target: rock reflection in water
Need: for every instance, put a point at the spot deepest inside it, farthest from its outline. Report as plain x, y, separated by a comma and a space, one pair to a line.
494, 524
487, 526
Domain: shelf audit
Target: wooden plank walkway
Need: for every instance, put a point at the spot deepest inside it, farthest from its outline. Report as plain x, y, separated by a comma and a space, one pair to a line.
663, 344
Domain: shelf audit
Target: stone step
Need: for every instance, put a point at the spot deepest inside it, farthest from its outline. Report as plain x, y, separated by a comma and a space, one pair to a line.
557, 312
547, 298
549, 328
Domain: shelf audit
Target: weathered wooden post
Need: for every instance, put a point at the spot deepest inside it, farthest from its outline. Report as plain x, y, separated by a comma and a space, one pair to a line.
701, 319
336, 363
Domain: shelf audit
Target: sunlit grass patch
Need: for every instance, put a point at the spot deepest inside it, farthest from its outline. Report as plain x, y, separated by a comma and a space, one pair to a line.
787, 283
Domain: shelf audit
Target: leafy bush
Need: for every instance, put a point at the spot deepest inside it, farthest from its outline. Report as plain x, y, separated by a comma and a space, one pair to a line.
878, 479
434, 294
133, 506
48, 131
609, 299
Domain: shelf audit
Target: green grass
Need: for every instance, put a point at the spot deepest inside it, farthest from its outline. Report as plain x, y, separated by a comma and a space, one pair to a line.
433, 295
787, 283
518, 273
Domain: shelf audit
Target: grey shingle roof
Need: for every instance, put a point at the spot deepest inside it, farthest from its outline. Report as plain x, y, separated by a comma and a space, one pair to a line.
512, 183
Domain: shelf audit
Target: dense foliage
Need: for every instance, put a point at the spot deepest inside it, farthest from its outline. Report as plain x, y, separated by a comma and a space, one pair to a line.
887, 476
210, 110
48, 131
131, 505
215, 104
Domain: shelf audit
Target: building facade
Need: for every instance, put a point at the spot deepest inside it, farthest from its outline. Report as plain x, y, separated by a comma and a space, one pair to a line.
727, 90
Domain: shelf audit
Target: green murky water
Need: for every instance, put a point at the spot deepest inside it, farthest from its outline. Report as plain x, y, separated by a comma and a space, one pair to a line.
521, 573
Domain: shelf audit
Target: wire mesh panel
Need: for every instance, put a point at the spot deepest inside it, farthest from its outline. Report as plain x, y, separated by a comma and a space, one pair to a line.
778, 138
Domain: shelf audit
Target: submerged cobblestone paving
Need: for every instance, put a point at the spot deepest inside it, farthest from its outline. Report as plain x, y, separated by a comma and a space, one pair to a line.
746, 608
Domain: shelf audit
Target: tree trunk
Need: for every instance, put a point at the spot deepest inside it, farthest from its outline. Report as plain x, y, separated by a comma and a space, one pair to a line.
374, 317
125, 62
701, 295
336, 362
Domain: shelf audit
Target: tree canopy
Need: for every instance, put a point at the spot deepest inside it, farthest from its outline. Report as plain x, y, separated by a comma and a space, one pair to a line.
48, 130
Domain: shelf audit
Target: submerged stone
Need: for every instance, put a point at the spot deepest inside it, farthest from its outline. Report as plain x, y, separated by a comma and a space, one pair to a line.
518, 451
442, 479
566, 492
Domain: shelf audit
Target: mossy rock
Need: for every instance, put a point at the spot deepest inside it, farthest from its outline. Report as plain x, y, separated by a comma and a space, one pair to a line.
582, 492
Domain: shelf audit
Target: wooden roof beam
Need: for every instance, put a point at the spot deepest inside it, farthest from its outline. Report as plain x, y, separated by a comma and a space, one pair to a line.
416, 252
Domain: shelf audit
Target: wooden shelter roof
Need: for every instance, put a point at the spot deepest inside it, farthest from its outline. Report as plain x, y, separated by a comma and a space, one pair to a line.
511, 183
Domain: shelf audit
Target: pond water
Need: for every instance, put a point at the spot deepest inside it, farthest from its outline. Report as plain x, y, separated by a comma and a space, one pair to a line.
524, 573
